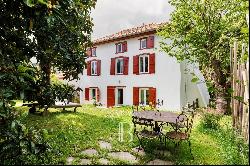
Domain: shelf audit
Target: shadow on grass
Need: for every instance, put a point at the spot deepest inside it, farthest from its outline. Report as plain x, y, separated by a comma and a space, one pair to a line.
71, 132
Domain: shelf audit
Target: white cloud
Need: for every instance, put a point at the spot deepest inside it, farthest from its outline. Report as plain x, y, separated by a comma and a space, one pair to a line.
111, 16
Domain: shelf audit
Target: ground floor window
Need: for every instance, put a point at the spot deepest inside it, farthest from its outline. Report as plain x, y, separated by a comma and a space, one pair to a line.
144, 96
93, 93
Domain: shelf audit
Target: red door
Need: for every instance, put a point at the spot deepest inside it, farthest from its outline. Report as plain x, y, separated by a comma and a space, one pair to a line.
110, 96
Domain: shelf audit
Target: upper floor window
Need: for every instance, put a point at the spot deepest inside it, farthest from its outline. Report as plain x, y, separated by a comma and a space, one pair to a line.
121, 47
91, 52
143, 43
147, 42
144, 63
93, 67
119, 66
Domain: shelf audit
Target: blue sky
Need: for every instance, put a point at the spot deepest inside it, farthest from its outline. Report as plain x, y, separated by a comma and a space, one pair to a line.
110, 16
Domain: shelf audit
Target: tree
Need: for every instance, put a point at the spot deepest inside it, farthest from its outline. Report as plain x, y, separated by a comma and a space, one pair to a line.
56, 32
200, 32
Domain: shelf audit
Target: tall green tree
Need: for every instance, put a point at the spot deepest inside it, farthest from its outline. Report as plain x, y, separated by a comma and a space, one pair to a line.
200, 31
56, 32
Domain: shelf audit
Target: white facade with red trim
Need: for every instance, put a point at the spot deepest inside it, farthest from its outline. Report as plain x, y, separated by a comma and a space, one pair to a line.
166, 79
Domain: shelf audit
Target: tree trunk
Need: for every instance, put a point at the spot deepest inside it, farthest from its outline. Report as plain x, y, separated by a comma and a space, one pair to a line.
46, 68
220, 84
221, 103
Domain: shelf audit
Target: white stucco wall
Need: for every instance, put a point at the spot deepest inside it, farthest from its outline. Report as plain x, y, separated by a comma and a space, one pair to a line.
167, 78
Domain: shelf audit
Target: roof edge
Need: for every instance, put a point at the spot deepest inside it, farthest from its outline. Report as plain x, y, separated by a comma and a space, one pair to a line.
145, 29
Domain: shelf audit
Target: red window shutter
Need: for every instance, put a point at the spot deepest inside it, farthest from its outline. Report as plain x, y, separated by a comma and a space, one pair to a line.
135, 96
116, 48
150, 42
112, 66
98, 67
152, 95
124, 47
98, 95
89, 52
152, 63
136, 64
110, 96
126, 62
89, 68
86, 93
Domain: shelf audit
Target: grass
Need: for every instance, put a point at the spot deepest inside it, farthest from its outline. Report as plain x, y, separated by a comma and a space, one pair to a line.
70, 133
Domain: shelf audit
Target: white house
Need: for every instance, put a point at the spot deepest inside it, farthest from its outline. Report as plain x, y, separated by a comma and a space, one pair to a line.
127, 68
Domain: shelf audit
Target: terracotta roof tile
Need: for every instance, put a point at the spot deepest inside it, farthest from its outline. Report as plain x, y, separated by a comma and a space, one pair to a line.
129, 32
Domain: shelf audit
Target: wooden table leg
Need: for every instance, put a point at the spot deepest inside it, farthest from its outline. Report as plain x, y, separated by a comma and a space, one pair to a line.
75, 109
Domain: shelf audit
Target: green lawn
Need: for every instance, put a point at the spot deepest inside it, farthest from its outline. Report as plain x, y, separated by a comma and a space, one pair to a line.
70, 133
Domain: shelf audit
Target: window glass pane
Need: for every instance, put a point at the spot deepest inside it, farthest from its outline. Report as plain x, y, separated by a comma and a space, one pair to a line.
143, 43
119, 47
146, 64
147, 97
142, 96
121, 65
118, 66
141, 65
93, 93
120, 96
94, 67
93, 52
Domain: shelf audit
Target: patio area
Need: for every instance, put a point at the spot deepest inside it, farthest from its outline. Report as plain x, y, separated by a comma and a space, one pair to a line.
105, 136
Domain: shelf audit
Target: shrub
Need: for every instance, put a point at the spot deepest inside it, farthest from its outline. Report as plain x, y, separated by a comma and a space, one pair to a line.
17, 143
210, 119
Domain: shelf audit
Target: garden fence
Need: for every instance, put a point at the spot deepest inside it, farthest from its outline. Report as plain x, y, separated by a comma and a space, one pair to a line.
240, 86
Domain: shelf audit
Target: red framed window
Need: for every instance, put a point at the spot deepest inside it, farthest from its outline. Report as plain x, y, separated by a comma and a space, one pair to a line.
91, 52
121, 47
144, 64
94, 68
119, 66
147, 42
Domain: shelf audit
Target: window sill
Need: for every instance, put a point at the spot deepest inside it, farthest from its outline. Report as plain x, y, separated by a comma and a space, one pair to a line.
143, 48
146, 73
119, 52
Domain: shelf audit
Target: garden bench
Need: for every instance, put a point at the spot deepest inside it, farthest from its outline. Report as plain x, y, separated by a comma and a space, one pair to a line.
62, 105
